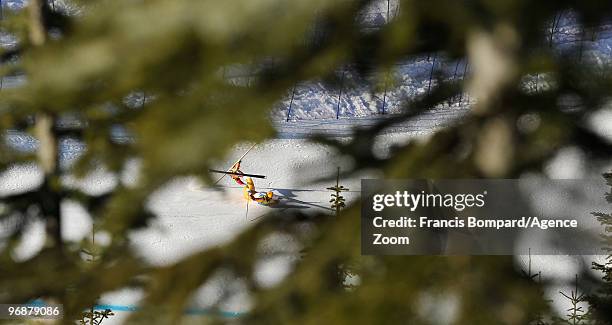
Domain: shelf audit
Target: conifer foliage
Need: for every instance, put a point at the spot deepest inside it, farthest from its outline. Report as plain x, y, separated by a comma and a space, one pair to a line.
160, 84
337, 200
601, 301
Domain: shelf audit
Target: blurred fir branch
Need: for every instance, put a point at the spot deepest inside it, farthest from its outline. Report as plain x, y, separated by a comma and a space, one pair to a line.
92, 64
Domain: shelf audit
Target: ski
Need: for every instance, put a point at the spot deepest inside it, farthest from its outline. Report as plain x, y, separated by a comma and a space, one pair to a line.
231, 173
246, 214
220, 178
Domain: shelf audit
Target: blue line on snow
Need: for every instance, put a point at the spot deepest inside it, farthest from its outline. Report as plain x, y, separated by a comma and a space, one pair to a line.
131, 308
189, 311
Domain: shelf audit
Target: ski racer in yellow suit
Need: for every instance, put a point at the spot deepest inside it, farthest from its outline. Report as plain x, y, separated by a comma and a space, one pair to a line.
265, 198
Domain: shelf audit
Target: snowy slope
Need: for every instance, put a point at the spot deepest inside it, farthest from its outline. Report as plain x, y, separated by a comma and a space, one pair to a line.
192, 217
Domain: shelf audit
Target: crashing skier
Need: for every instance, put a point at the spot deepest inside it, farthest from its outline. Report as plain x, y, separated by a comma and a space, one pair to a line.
265, 198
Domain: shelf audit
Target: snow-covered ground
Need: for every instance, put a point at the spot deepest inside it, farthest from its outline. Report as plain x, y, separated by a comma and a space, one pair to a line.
191, 217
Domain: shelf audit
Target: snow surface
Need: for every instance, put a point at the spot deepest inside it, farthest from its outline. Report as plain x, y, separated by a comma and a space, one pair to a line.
191, 217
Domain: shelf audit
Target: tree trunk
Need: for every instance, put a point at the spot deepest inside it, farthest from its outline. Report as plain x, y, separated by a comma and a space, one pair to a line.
44, 129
